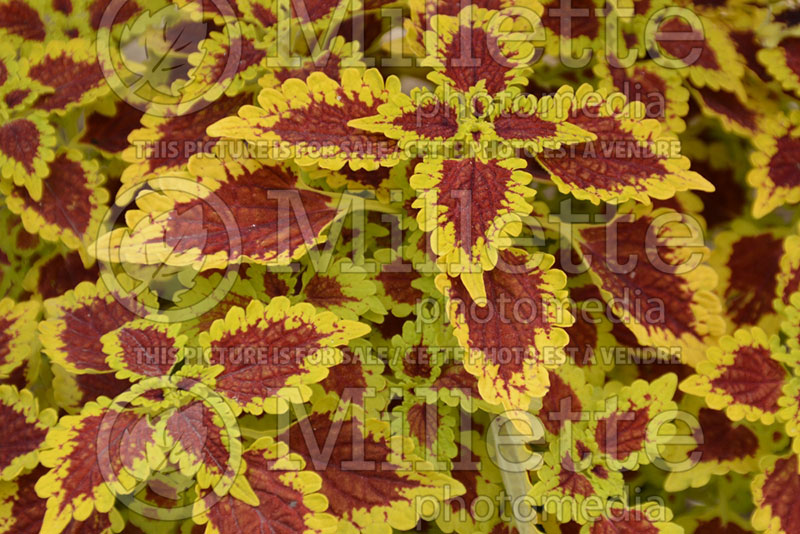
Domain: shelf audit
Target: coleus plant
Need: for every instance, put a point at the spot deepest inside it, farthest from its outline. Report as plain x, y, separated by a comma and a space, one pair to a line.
379, 266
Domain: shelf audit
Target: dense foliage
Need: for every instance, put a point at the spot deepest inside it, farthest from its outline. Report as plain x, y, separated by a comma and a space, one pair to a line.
343, 266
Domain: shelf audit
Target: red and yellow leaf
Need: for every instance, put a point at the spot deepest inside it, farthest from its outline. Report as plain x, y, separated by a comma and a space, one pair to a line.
225, 211
666, 296
701, 51
70, 71
273, 495
26, 429
773, 174
289, 348
309, 121
92, 457
660, 90
495, 63
782, 63
17, 333
743, 376
165, 143
471, 206
72, 203
76, 322
509, 352
631, 158
142, 348
776, 494
372, 482
22, 511
747, 261
26, 148
622, 421
353, 388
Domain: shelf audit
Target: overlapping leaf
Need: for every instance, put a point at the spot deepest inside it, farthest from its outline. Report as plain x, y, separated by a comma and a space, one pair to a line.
368, 478
274, 494
773, 174
524, 306
17, 333
743, 376
71, 205
666, 297
26, 148
289, 348
26, 429
227, 210
308, 121
91, 457
775, 493
166, 143
76, 322
632, 157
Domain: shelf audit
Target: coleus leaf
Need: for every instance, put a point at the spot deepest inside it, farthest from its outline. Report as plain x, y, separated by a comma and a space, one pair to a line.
143, 348
722, 446
57, 272
355, 387
781, 63
747, 260
573, 471
621, 422
631, 158
705, 55
17, 333
659, 89
71, 70
339, 54
398, 285
456, 386
429, 424
580, 33
788, 278
742, 375
417, 354
495, 64
790, 406
210, 75
71, 205
772, 174
149, 152
284, 120
76, 322
107, 129
294, 347
274, 495
475, 469
647, 518
470, 206
27, 428
343, 288
510, 357
776, 491
664, 303
423, 11
226, 210
92, 456
21, 20
566, 397
26, 162
203, 439
367, 477
430, 121
742, 116
71, 391
22, 511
